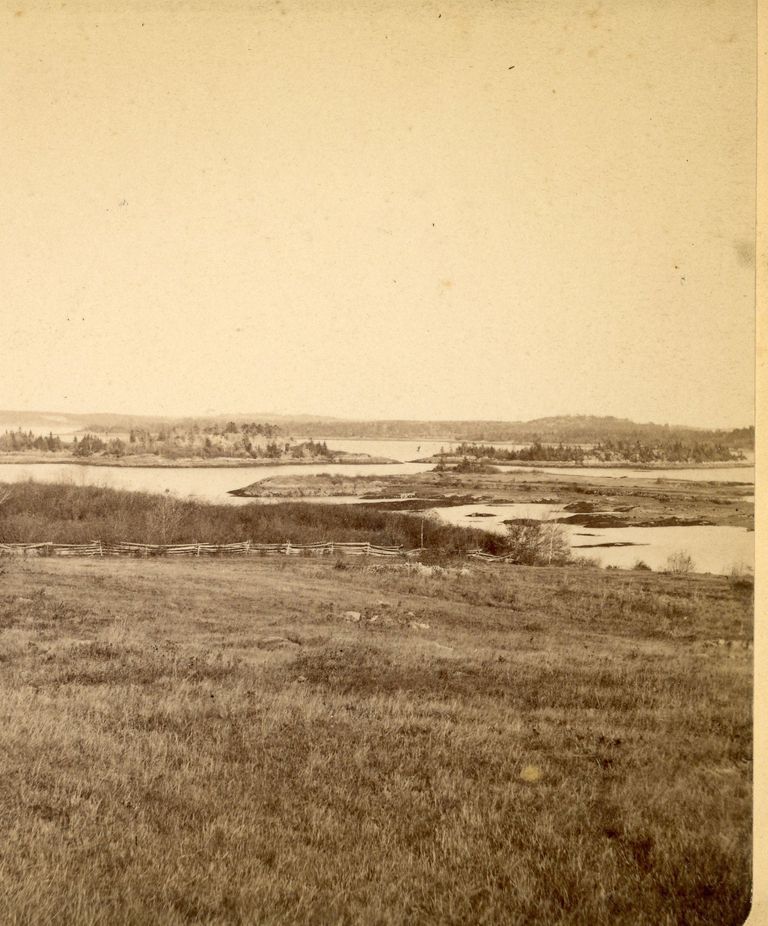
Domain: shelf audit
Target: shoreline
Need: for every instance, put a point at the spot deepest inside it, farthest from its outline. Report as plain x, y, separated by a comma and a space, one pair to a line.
586, 501
192, 463
237, 462
570, 464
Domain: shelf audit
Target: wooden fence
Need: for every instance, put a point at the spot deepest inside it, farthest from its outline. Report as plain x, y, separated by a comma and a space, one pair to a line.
488, 557
244, 548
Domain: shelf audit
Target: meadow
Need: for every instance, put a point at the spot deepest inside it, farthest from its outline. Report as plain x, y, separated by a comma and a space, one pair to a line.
306, 742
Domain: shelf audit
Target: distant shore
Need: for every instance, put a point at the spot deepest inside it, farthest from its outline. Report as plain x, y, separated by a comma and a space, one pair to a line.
592, 464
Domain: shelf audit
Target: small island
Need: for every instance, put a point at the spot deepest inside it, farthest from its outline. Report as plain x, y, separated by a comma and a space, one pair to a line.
669, 453
184, 445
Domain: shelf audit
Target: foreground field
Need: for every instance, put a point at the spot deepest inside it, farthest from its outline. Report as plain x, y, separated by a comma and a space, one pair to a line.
289, 742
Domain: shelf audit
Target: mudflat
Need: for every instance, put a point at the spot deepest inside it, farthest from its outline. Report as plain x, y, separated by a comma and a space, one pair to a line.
631, 501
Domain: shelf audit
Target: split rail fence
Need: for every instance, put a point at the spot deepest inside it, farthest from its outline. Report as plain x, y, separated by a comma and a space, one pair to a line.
245, 548
488, 557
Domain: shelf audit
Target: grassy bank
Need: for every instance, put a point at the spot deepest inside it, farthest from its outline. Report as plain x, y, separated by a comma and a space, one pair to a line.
35, 512
192, 742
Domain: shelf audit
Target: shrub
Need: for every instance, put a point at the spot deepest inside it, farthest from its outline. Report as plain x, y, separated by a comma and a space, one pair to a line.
536, 543
586, 562
680, 563
741, 576
61, 513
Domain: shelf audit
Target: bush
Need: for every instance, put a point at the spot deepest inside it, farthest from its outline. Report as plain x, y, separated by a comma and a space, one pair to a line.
742, 576
586, 562
536, 543
680, 563
642, 566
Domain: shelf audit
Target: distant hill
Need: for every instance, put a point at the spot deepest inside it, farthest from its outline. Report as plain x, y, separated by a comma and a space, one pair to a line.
41, 422
572, 429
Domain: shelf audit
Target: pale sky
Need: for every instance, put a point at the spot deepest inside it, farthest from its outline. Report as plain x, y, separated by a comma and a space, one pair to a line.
379, 210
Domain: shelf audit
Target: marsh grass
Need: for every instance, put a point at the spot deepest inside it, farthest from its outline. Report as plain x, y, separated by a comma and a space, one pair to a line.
214, 742
60, 513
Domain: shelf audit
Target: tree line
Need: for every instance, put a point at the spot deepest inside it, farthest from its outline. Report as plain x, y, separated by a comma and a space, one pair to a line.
17, 440
174, 442
609, 451
566, 429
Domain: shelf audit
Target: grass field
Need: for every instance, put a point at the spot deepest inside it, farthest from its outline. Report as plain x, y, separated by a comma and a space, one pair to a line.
224, 742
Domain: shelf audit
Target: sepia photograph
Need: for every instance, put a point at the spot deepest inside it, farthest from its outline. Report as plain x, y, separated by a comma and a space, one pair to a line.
377, 463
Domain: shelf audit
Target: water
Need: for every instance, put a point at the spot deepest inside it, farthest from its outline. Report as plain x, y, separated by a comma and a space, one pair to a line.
212, 484
713, 549
405, 450
202, 484
55, 424
402, 450
494, 515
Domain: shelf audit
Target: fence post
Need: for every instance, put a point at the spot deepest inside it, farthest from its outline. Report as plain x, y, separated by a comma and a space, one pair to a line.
287, 547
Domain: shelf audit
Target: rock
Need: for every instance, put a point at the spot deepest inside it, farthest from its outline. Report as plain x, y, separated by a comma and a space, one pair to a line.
596, 520
372, 620
530, 773
418, 625
581, 507
352, 616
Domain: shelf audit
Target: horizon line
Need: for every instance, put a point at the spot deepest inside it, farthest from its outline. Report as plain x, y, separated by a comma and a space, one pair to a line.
372, 420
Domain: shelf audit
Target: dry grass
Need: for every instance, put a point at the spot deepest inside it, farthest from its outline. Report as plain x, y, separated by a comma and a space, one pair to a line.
216, 743
35, 512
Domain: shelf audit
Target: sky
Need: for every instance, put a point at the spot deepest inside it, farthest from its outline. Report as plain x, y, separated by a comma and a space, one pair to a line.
489, 209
